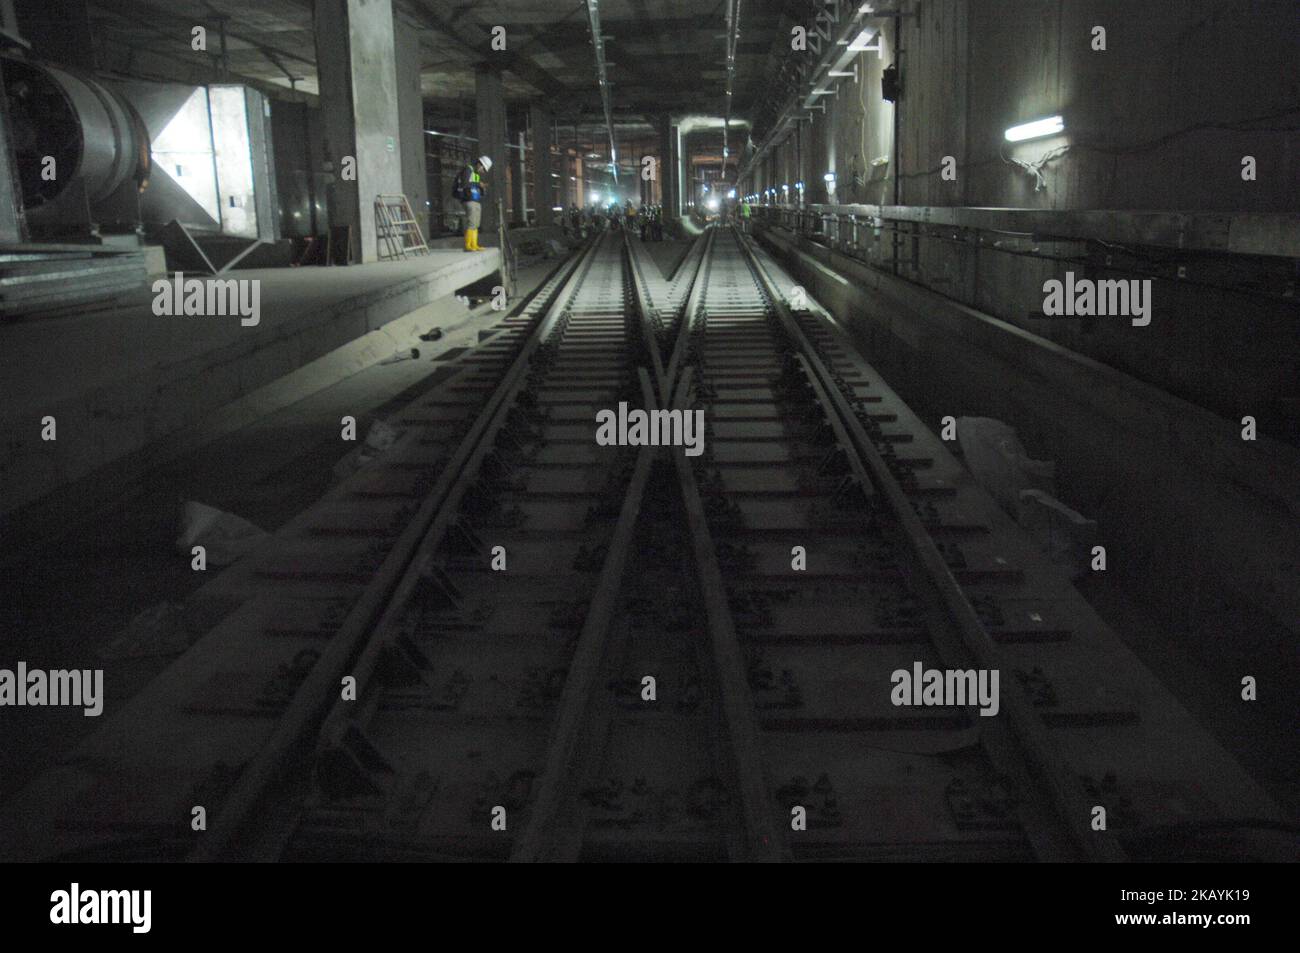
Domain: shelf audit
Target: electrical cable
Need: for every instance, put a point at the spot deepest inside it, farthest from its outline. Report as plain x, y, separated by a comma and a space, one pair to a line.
1035, 168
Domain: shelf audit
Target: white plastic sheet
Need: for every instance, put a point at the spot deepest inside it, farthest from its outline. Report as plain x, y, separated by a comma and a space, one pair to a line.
999, 462
224, 536
1026, 489
379, 439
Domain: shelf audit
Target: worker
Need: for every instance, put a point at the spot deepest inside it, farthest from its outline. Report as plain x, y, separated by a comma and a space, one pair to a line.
744, 215
469, 188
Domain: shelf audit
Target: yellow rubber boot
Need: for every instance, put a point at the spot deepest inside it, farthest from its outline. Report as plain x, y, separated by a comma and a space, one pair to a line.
477, 246
469, 239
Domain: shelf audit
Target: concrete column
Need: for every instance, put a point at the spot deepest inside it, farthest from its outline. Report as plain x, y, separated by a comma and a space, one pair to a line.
11, 197
518, 173
410, 113
356, 58
490, 99
665, 171
673, 181
545, 196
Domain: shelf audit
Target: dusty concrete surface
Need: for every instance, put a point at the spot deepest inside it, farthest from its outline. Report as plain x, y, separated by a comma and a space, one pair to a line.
119, 379
72, 598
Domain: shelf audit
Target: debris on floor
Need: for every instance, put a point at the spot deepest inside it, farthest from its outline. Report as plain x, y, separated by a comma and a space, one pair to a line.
406, 355
999, 462
158, 630
379, 439
224, 536
433, 334
1064, 535
1026, 489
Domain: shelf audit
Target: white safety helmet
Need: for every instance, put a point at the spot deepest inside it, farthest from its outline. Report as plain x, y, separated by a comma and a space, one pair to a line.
486, 162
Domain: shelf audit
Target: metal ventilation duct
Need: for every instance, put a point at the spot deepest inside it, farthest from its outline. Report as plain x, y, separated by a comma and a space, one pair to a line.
93, 135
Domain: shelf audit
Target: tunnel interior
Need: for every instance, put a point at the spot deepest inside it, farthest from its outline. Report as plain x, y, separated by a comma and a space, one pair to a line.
649, 431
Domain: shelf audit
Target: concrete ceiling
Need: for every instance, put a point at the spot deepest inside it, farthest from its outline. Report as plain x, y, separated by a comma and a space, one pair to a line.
666, 56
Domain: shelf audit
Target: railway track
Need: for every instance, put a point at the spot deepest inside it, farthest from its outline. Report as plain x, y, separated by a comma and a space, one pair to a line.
508, 642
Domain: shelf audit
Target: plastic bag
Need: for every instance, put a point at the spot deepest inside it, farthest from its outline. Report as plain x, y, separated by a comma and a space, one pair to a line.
224, 536
379, 439
1066, 536
999, 463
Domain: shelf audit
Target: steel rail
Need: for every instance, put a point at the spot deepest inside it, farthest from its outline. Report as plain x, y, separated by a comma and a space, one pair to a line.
542, 838
1031, 736
764, 838
371, 618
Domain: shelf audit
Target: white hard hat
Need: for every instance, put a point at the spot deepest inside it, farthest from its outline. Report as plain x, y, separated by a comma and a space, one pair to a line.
486, 162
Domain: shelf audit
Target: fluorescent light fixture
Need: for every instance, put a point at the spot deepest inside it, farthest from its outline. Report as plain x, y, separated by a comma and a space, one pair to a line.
1036, 129
862, 41
829, 176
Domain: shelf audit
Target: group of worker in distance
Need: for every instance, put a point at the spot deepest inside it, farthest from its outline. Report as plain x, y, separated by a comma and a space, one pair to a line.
647, 221
469, 189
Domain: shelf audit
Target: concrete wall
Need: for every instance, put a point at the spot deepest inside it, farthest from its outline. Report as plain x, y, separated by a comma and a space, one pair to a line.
1205, 519
1149, 121
1147, 127
410, 115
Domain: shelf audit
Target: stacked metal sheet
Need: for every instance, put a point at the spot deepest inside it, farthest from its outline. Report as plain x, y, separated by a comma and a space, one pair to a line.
38, 278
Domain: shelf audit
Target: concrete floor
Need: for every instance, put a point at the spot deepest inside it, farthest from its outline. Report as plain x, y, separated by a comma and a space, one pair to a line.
107, 345
69, 602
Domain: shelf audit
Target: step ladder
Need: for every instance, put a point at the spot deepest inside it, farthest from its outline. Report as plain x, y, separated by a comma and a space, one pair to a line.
397, 233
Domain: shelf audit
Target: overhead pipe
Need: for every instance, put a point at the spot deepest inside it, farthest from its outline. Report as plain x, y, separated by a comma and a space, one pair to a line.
834, 57
733, 41
598, 41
